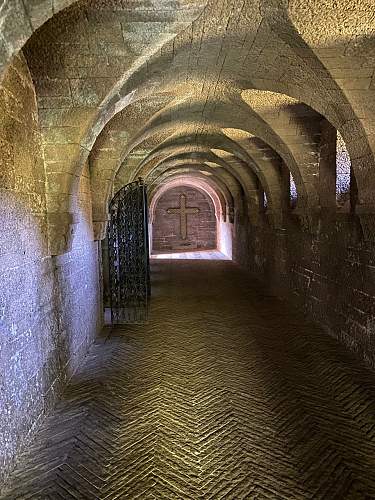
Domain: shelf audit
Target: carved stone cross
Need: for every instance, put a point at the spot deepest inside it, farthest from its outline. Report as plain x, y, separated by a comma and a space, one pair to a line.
184, 211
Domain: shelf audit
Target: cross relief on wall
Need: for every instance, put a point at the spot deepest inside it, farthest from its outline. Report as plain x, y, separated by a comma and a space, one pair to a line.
183, 211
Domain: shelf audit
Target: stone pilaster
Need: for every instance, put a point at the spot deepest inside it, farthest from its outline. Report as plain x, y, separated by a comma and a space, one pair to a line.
60, 232
366, 216
100, 229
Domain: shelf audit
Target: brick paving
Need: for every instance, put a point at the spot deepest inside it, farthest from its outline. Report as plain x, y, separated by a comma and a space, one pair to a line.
225, 393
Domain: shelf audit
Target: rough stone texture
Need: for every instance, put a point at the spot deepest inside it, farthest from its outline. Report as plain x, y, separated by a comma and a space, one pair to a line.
49, 307
209, 400
247, 95
79, 60
201, 227
19, 19
321, 262
257, 66
328, 273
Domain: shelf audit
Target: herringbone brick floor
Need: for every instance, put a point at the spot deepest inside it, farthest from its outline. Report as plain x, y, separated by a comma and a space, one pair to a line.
225, 393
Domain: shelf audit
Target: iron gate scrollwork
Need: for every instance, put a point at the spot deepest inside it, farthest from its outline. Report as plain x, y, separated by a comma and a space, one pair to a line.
128, 249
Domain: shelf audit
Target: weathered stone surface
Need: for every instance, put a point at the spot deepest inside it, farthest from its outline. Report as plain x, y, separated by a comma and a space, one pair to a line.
49, 307
329, 274
268, 104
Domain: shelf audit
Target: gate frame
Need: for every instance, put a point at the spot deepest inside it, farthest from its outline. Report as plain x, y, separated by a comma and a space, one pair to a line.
128, 254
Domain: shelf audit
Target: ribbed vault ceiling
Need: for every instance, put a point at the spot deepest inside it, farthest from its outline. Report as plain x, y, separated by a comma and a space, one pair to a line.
232, 90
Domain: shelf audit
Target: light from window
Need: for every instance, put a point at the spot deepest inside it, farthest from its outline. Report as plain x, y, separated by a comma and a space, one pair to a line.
343, 167
293, 192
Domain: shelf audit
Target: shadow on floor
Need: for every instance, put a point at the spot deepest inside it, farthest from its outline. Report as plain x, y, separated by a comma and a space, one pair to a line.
226, 392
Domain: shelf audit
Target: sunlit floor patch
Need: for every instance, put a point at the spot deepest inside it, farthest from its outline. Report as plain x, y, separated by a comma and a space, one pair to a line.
203, 255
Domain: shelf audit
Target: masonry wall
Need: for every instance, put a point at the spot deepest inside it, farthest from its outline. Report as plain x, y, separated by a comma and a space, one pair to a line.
49, 306
201, 227
324, 267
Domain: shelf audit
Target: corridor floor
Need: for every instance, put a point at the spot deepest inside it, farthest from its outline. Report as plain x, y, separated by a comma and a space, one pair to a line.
199, 254
225, 393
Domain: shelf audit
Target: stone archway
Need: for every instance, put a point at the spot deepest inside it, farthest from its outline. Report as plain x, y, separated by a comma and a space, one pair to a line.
184, 219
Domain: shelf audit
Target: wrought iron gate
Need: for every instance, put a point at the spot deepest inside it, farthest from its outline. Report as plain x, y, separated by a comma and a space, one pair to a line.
128, 249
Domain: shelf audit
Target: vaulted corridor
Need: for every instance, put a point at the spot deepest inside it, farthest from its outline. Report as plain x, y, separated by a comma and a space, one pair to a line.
226, 393
241, 134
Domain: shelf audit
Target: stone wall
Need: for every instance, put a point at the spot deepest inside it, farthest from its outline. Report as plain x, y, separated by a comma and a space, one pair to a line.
49, 306
326, 268
201, 227
319, 260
